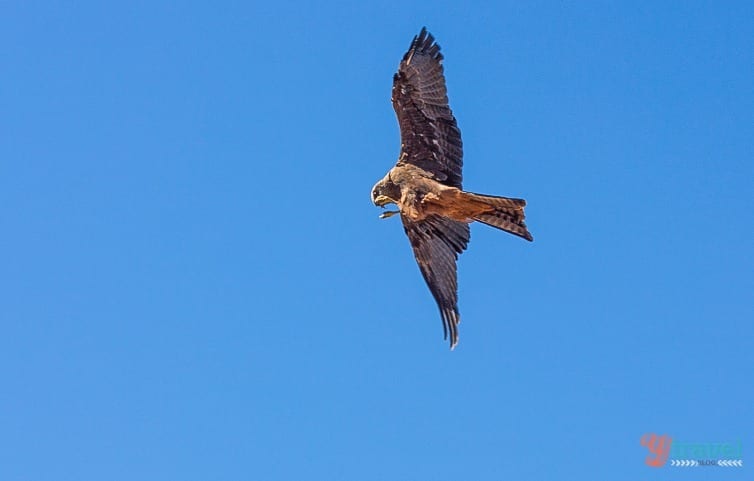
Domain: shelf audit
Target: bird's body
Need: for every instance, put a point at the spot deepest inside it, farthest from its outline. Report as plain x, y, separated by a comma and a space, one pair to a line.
420, 196
426, 182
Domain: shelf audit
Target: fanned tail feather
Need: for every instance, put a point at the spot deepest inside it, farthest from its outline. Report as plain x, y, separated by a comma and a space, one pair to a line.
503, 213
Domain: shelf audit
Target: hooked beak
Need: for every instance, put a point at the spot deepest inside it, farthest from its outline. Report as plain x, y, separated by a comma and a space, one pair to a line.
382, 200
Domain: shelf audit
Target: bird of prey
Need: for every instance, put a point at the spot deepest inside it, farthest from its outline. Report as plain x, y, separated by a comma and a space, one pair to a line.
425, 184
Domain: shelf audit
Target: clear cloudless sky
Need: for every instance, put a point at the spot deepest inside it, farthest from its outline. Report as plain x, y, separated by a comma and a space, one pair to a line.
196, 286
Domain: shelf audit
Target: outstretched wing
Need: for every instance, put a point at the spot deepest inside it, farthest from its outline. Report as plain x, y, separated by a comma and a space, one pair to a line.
436, 242
430, 138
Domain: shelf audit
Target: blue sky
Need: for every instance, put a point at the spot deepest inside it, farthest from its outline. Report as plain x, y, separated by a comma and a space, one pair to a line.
196, 285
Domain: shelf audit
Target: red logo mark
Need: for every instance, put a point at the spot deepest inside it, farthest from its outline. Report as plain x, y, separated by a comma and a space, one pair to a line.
659, 446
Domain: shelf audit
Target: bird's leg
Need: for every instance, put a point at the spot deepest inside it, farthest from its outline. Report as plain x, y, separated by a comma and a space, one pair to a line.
389, 213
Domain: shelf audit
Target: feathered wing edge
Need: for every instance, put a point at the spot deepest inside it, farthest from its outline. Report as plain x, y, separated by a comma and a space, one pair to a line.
436, 242
430, 138
424, 43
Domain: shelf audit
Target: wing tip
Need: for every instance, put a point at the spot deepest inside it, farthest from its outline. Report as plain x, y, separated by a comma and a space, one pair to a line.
423, 43
450, 321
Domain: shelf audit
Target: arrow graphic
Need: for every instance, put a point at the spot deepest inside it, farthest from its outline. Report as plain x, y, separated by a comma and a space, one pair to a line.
685, 463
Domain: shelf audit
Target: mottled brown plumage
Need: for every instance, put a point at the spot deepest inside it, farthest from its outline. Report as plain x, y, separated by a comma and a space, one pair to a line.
425, 184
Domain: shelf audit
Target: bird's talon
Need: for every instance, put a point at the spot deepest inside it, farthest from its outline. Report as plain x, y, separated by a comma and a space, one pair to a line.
389, 213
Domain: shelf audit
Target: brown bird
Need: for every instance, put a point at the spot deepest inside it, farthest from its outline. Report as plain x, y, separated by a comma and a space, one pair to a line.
425, 184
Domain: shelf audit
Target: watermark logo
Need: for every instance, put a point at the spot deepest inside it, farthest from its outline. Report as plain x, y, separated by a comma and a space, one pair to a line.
662, 448
659, 449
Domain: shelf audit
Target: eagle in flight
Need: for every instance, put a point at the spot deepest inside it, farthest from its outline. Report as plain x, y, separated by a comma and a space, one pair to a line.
425, 184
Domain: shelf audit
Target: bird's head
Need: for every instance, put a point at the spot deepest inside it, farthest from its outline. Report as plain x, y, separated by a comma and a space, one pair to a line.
385, 192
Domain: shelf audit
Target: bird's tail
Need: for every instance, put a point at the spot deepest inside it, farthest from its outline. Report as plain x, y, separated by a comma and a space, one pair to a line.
503, 213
